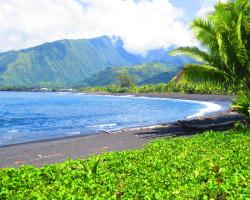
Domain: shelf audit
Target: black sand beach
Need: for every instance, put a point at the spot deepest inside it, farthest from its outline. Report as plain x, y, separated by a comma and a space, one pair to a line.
50, 151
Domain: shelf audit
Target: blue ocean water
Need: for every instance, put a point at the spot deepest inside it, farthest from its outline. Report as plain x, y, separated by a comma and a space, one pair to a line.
31, 116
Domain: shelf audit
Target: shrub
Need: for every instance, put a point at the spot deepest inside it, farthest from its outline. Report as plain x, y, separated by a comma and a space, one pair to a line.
213, 165
242, 103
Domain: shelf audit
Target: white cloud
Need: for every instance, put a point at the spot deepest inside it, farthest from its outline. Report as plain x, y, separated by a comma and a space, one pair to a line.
208, 7
203, 12
142, 25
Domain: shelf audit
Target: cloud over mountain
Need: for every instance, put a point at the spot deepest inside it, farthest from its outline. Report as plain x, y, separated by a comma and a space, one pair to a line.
141, 24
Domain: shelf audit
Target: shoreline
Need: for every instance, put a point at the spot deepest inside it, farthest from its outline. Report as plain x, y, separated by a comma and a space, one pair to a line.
182, 96
171, 95
81, 146
222, 100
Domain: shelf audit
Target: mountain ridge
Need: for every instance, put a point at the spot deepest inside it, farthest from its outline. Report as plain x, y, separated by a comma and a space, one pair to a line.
68, 62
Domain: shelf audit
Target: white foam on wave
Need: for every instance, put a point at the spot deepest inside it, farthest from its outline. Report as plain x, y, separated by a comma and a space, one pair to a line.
102, 125
79, 94
13, 131
210, 107
74, 133
62, 93
130, 95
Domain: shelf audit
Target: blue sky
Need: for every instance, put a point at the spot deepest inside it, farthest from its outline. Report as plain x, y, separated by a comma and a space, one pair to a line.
191, 7
141, 24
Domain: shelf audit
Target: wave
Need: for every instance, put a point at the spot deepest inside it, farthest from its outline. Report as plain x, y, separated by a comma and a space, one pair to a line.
13, 131
74, 133
63, 93
210, 107
130, 95
102, 125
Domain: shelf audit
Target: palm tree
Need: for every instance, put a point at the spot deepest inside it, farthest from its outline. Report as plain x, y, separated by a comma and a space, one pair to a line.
225, 42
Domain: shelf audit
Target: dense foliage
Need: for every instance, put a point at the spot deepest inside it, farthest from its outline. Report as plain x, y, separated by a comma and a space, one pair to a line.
126, 81
189, 88
147, 73
242, 103
225, 39
213, 165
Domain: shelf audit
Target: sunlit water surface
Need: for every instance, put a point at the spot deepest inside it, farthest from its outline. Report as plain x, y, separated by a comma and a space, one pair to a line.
30, 116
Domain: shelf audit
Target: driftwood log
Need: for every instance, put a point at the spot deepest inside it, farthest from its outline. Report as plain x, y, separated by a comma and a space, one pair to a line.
208, 126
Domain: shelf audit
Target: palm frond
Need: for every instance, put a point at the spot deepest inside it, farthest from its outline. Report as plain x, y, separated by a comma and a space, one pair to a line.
240, 47
198, 55
202, 74
205, 33
225, 35
193, 52
222, 18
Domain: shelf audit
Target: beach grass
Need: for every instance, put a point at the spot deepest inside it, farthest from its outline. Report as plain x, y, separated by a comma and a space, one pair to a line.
212, 165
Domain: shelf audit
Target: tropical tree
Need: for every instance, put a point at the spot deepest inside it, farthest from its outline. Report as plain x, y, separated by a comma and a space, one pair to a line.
224, 56
125, 80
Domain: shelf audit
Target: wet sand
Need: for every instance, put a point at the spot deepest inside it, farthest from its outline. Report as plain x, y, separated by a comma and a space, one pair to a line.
44, 152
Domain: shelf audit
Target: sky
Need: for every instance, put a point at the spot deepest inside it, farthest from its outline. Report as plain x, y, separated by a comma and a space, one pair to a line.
142, 25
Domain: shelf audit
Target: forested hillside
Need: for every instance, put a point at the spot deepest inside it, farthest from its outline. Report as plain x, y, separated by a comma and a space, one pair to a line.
151, 73
70, 62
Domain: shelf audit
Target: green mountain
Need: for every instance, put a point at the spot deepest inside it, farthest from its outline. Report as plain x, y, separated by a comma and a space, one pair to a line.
70, 62
151, 73
64, 62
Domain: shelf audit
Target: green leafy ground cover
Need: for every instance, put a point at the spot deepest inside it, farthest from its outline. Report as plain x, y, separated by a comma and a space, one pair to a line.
213, 165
